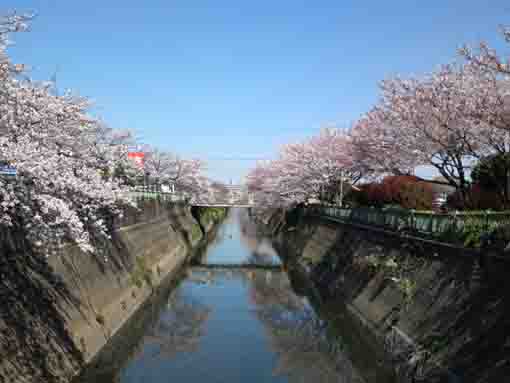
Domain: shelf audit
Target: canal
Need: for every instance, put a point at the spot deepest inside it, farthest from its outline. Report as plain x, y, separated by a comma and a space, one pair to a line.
239, 324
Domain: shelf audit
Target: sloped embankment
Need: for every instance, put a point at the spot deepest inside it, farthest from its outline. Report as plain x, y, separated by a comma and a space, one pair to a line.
440, 314
58, 313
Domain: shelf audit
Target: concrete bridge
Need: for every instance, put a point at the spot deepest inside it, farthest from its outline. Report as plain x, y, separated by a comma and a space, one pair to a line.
225, 196
219, 196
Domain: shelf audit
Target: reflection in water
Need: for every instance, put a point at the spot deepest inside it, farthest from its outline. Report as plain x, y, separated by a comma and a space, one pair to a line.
261, 249
236, 325
300, 339
179, 328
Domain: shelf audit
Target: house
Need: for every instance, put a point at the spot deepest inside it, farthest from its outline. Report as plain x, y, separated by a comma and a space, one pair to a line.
441, 190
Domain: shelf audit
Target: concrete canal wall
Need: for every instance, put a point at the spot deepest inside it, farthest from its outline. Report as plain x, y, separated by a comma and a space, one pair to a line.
440, 313
65, 309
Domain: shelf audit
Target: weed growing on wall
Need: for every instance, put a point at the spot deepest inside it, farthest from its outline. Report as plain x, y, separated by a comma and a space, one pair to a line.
141, 273
196, 233
398, 271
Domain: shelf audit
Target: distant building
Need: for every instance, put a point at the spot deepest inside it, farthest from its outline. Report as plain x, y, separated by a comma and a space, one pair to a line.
440, 187
441, 190
167, 188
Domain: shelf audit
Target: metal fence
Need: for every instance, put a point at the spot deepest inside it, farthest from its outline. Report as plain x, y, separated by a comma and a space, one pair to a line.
424, 222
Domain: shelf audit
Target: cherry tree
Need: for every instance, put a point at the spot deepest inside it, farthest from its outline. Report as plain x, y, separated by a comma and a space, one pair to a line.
435, 121
494, 70
58, 194
497, 74
303, 170
377, 148
186, 175
448, 119
487, 57
108, 152
262, 183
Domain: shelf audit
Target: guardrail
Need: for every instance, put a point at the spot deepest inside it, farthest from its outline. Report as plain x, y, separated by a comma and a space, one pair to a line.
423, 222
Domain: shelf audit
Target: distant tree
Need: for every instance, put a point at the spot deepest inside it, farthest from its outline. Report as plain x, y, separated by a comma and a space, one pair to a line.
166, 167
304, 170
335, 190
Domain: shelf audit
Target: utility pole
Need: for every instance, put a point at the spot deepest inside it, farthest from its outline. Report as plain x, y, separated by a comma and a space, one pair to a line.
54, 80
341, 187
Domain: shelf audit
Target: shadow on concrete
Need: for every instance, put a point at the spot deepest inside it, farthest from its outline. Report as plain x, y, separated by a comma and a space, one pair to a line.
34, 342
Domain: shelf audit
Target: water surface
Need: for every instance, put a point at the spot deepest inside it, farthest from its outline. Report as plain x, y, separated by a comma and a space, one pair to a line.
235, 325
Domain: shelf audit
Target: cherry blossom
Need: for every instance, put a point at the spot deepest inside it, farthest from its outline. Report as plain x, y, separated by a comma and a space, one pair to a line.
186, 175
59, 193
73, 171
438, 119
303, 170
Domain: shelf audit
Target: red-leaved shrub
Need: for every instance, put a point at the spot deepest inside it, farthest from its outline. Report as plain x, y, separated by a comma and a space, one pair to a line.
407, 191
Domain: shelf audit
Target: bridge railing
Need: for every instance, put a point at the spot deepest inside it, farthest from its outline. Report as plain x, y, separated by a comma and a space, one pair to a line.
177, 197
417, 221
161, 196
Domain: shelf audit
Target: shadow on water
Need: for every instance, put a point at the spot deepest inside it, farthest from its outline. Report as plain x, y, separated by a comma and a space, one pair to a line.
232, 325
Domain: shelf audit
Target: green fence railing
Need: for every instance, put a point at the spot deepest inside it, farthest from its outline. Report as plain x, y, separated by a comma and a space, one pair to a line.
423, 222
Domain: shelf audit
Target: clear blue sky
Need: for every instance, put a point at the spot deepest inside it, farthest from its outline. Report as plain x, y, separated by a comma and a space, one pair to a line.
227, 78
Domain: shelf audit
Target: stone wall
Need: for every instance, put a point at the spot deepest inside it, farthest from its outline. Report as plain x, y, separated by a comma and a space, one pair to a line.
73, 303
439, 312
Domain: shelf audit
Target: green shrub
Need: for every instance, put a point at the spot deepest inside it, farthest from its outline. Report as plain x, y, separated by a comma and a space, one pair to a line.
394, 271
407, 287
472, 232
492, 175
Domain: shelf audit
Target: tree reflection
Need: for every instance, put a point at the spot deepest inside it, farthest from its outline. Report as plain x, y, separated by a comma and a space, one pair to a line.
179, 328
307, 351
262, 252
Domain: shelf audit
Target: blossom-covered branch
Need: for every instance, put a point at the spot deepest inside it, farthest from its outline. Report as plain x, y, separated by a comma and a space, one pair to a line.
73, 172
